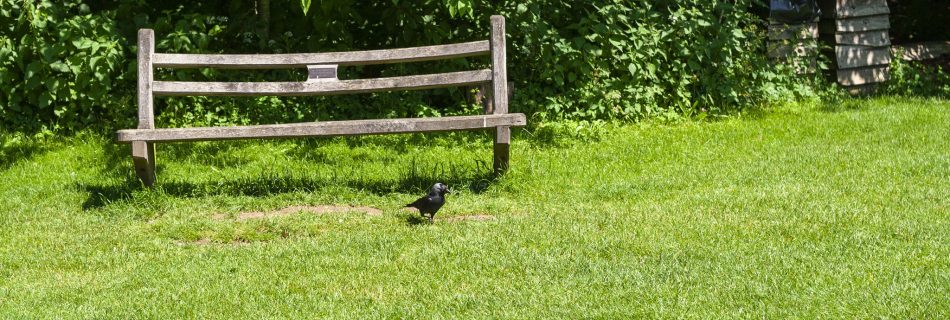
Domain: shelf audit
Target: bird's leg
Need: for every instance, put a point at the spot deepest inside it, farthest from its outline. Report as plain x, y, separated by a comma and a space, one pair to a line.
431, 216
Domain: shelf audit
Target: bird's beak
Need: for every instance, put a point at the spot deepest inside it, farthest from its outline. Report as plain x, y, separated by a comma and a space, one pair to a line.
447, 190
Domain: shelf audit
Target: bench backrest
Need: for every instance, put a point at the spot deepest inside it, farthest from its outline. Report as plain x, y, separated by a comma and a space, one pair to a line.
322, 67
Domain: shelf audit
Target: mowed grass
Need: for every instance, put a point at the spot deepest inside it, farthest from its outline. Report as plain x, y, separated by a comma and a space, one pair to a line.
840, 212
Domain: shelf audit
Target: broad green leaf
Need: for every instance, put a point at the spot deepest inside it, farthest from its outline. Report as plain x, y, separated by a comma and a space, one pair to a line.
59, 66
738, 33
83, 43
305, 6
93, 61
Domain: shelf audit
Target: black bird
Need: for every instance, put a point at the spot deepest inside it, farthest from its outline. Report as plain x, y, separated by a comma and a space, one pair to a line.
432, 202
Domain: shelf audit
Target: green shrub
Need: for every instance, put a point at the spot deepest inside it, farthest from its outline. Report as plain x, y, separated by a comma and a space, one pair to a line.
912, 78
72, 64
61, 66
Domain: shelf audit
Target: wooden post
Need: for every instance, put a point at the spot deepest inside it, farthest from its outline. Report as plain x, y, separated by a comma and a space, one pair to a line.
143, 152
499, 93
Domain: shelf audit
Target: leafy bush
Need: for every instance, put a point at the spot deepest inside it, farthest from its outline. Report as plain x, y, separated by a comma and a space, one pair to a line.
61, 65
72, 64
912, 78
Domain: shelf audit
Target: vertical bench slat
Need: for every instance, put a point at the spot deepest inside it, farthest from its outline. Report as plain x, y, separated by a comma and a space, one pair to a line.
499, 93
146, 50
143, 152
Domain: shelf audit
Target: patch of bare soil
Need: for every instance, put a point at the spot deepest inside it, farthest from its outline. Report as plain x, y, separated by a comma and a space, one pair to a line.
324, 209
206, 242
477, 217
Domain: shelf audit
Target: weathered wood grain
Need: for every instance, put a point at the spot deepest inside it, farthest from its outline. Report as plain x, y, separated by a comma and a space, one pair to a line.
848, 57
874, 38
500, 92
323, 128
852, 8
863, 75
143, 153
868, 23
416, 82
922, 50
322, 80
143, 159
146, 49
300, 60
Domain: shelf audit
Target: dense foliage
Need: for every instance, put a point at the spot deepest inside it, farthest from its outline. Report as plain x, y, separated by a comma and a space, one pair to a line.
915, 78
71, 64
62, 65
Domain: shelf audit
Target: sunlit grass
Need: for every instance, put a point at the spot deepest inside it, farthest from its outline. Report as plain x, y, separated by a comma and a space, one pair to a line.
840, 212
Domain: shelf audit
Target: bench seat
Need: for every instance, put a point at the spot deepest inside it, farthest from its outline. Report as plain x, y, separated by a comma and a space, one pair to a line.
323, 128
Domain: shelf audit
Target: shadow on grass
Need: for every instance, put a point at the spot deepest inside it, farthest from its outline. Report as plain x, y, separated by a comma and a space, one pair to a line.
229, 153
416, 220
416, 180
417, 177
14, 149
306, 147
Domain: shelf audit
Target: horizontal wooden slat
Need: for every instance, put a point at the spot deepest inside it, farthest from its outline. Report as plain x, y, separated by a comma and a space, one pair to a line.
922, 50
847, 57
864, 75
417, 82
879, 22
324, 128
875, 38
300, 60
852, 8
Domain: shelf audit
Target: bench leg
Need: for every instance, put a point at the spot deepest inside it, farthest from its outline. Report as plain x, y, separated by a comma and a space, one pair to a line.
143, 157
502, 146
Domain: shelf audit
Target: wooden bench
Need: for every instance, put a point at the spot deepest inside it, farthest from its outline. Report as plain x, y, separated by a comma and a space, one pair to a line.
322, 81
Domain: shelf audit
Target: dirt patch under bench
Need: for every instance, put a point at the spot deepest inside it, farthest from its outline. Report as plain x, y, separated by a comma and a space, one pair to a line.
370, 211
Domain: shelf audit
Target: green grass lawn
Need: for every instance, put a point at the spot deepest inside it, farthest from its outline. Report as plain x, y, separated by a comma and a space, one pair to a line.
839, 212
